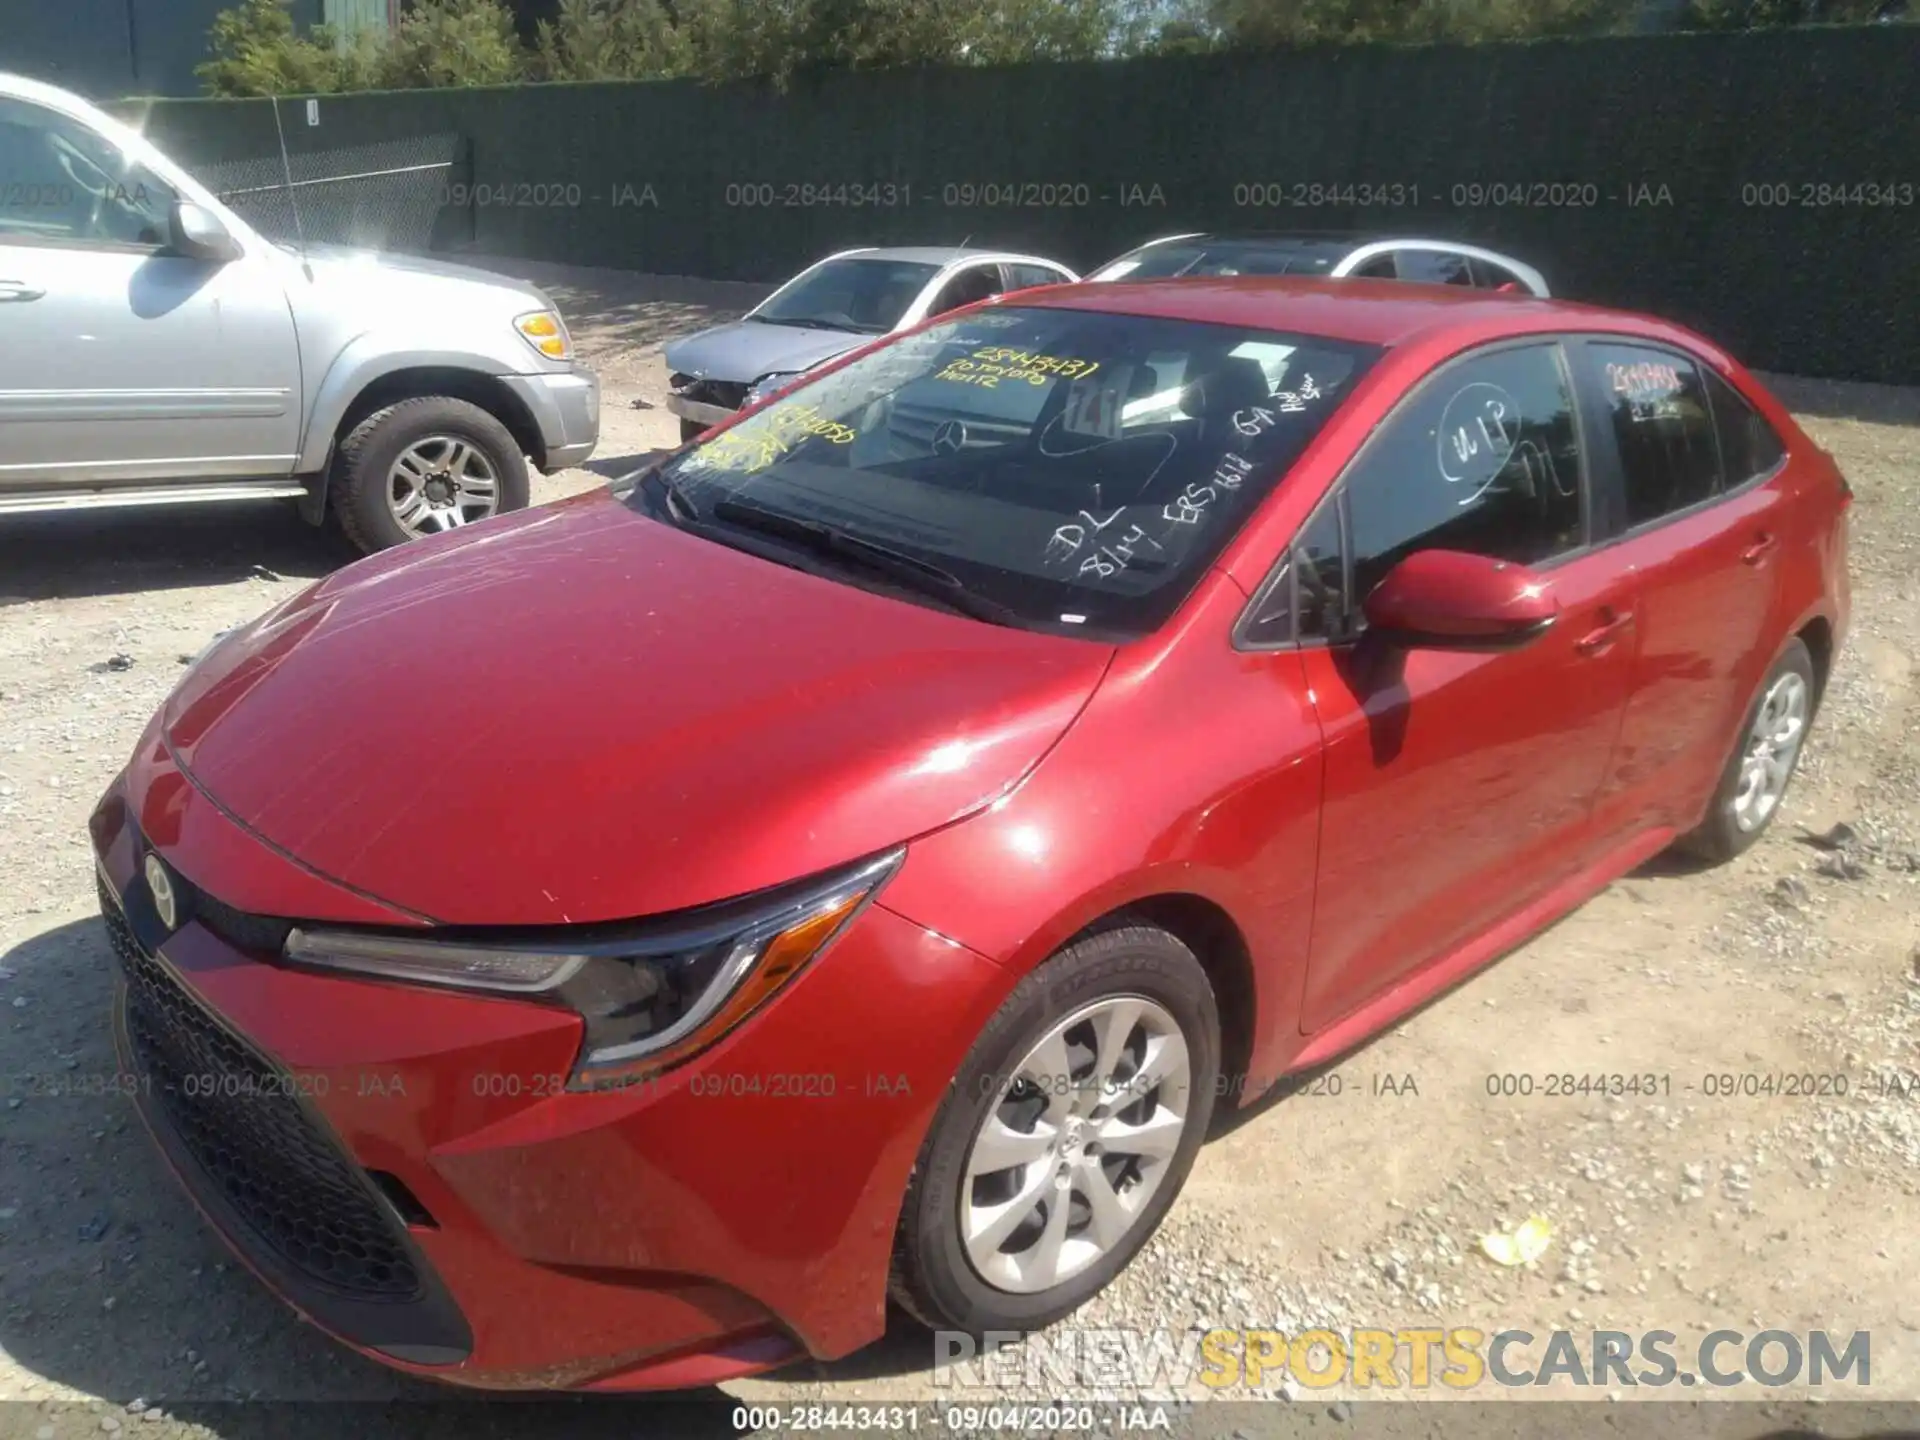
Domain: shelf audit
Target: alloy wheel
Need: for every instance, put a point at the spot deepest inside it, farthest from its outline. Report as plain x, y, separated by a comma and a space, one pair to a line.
1080, 1138
1773, 744
441, 482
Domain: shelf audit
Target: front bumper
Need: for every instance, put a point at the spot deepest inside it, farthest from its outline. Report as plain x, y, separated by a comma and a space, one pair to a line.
734, 1215
699, 411
565, 405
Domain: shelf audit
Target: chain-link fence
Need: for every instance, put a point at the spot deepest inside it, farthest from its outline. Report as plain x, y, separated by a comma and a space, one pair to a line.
385, 196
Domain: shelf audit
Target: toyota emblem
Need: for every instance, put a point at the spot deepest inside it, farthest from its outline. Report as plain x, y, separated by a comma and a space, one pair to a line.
161, 884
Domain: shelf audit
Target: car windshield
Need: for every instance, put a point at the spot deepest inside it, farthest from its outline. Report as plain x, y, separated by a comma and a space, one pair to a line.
1224, 257
1073, 470
861, 294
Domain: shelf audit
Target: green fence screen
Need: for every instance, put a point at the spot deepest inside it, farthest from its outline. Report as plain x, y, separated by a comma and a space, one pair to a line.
1763, 187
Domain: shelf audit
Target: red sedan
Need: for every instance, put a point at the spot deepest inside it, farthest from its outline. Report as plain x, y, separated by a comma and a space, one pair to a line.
621, 945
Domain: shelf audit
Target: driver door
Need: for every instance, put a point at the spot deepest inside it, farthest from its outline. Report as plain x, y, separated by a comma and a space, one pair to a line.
1459, 785
120, 362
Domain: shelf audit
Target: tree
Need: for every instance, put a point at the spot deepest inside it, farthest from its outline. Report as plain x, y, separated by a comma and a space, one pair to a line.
1764, 14
612, 40
450, 43
1298, 22
257, 50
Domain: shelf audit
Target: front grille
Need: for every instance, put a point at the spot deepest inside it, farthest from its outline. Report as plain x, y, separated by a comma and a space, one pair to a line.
728, 394
255, 934
239, 1117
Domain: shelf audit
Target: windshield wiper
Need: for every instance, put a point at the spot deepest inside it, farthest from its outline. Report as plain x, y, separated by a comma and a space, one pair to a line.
813, 324
922, 576
680, 509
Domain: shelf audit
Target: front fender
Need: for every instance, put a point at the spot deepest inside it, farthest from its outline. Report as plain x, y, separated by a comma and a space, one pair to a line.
1195, 771
374, 356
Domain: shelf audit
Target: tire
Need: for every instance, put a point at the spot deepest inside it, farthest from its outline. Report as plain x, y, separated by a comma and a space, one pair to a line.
692, 430
935, 1278
366, 460
1730, 826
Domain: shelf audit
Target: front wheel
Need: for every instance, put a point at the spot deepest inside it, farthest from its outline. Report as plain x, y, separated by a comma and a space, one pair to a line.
1065, 1138
1762, 764
425, 466
692, 430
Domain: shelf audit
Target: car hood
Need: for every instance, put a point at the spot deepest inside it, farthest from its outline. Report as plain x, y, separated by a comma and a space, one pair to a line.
578, 713
379, 280
748, 349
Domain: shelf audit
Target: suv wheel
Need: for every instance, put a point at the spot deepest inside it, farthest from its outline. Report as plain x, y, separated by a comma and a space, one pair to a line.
1065, 1137
692, 430
425, 466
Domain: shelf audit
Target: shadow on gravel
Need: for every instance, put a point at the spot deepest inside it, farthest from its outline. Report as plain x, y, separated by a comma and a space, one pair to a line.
611, 310
123, 552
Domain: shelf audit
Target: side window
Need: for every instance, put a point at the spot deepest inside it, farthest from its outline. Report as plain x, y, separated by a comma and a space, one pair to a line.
1381, 267
1657, 404
60, 183
976, 282
1434, 267
1484, 458
1021, 277
1489, 276
1748, 444
1305, 598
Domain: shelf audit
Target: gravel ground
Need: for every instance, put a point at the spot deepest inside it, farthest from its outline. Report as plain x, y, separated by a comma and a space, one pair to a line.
1362, 1208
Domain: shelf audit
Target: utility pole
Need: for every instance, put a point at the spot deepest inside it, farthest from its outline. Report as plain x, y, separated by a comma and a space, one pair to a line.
133, 40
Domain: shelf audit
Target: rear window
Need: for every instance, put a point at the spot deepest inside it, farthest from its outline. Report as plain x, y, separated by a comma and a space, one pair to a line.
1749, 446
1222, 257
1076, 469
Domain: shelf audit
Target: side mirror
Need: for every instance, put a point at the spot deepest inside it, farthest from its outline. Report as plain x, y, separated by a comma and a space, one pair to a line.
199, 235
1446, 600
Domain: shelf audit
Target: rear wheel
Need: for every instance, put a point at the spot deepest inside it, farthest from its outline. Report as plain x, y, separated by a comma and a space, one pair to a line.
424, 466
1763, 760
1065, 1138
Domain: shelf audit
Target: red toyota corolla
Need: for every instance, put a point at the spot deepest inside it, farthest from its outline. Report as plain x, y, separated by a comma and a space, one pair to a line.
620, 945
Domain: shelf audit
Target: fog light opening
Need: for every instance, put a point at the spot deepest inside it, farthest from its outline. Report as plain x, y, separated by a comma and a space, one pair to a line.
404, 1202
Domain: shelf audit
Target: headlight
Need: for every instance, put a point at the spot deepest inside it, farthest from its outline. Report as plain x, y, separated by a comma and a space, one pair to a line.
767, 384
208, 648
652, 994
547, 333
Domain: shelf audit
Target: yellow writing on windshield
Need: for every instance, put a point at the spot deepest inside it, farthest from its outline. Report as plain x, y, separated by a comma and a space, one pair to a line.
759, 442
991, 364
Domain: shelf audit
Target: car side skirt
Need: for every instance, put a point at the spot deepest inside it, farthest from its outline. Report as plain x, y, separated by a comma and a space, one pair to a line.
1449, 970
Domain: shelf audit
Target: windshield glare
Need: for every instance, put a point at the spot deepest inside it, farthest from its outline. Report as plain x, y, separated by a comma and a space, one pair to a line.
1076, 469
864, 295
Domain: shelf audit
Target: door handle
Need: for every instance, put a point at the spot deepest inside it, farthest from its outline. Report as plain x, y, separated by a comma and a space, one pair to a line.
11, 290
1602, 637
1760, 549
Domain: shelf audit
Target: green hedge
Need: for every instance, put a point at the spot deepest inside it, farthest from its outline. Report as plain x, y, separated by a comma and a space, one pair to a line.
1676, 174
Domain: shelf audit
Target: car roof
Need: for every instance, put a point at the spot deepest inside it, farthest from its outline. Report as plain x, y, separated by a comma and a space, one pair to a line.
1324, 242
1348, 238
1370, 312
22, 87
928, 254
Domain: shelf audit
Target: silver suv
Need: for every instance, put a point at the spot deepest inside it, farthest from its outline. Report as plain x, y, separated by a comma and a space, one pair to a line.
156, 350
